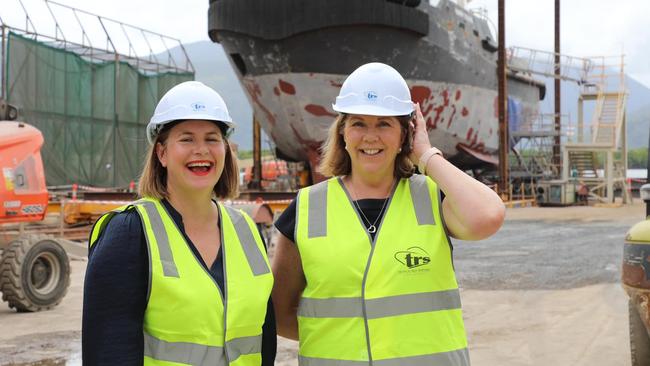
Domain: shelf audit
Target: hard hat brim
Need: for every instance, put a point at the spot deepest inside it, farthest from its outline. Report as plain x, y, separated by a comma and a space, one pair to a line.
207, 117
372, 110
227, 127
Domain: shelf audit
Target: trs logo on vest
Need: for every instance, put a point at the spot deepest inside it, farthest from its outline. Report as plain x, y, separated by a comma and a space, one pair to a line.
413, 257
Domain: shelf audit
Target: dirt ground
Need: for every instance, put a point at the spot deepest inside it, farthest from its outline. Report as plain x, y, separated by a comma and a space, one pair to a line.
554, 312
579, 327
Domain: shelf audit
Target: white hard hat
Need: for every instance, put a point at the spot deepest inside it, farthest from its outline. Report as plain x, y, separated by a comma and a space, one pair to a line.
374, 89
189, 100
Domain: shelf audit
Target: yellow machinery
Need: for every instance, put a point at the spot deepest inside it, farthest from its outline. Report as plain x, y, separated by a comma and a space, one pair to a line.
636, 283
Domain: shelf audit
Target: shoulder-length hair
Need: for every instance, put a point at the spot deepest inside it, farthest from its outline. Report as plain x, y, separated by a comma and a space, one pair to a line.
336, 161
153, 180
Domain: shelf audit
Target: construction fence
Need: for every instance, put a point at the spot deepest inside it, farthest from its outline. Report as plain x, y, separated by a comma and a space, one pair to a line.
92, 114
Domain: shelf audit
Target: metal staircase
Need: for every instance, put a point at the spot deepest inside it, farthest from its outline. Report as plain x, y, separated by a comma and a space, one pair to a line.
604, 85
582, 164
608, 119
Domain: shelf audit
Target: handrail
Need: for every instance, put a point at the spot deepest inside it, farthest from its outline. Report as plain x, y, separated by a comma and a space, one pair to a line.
528, 60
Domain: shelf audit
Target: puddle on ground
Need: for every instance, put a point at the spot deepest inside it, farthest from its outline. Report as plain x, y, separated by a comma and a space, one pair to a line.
42, 349
74, 360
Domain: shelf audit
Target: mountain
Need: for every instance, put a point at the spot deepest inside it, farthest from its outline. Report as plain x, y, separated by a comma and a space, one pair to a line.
638, 127
213, 69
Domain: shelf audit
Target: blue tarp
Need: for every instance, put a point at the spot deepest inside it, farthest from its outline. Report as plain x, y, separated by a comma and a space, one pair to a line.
515, 114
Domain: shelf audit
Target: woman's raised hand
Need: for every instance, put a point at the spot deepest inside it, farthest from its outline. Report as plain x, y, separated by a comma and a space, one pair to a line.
420, 142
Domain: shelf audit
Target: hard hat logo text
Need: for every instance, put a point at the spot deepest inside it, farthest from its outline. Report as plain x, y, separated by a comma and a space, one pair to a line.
198, 107
371, 96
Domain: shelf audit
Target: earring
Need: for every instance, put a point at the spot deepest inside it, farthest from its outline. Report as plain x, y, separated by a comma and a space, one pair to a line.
399, 150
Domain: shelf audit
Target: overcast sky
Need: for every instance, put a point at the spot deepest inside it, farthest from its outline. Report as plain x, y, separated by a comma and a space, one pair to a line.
589, 27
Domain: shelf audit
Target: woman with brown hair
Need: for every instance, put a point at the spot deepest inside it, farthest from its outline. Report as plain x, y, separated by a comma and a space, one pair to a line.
363, 263
177, 277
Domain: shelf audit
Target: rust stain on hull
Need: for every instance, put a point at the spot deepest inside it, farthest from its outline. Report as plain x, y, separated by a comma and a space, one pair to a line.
319, 111
286, 87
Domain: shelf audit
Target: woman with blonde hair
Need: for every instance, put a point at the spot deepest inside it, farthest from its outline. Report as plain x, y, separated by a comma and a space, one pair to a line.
177, 278
363, 265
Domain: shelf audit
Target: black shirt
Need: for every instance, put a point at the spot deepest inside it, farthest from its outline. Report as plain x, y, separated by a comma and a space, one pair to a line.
115, 294
371, 207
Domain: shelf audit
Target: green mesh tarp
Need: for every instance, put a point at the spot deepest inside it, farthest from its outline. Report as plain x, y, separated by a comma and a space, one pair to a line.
92, 115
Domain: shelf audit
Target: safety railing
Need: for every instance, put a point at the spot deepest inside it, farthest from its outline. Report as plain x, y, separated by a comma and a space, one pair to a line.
531, 61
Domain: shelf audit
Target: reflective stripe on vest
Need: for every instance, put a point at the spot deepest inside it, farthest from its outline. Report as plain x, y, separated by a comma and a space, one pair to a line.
348, 307
421, 200
181, 334
253, 255
389, 301
161, 239
198, 354
318, 211
457, 357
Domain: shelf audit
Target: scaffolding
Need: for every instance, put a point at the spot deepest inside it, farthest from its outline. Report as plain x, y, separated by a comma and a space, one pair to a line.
533, 142
531, 155
594, 155
89, 83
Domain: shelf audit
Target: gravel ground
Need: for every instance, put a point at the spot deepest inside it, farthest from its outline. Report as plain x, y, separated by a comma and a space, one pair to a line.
542, 255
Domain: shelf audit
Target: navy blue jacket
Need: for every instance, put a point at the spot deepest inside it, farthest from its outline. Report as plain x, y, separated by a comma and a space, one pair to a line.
115, 294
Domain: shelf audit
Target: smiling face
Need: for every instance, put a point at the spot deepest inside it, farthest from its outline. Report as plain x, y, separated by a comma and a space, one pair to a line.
372, 142
194, 155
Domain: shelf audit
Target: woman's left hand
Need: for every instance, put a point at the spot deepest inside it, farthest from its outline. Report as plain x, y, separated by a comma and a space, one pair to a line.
420, 142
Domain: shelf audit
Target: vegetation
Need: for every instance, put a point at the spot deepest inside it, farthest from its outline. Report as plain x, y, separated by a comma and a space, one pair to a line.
637, 158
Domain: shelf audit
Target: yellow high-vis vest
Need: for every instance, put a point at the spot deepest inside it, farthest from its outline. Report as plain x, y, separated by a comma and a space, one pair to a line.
188, 321
394, 301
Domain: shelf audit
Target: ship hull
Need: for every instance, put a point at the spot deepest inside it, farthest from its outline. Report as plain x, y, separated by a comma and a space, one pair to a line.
292, 75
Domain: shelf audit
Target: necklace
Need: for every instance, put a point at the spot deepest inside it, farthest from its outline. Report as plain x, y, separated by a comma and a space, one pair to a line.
372, 228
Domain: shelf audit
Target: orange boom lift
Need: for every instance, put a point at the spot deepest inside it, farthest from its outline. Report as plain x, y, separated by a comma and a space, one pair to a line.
34, 269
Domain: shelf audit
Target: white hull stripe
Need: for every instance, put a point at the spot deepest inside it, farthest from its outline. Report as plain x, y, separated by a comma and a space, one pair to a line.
453, 358
352, 307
